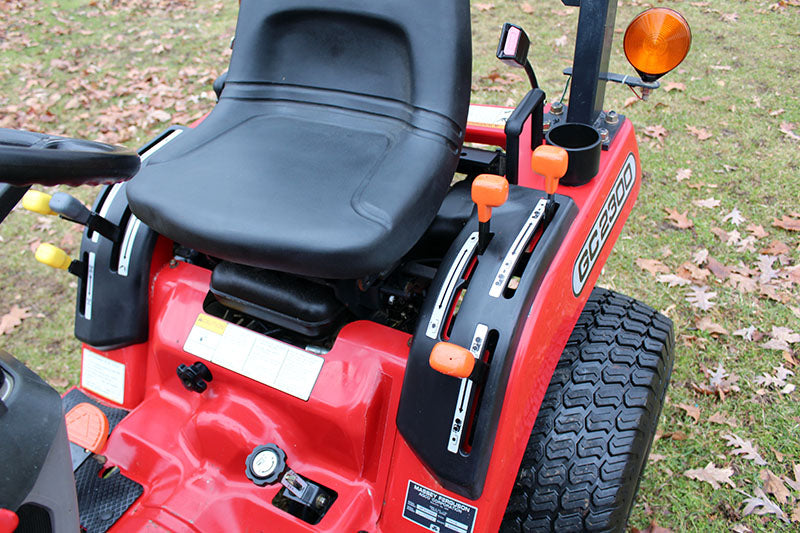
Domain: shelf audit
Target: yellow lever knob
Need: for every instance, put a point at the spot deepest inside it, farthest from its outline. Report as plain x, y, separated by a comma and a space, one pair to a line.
53, 256
38, 202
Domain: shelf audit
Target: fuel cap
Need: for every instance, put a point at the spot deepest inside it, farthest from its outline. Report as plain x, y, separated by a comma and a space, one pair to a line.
265, 464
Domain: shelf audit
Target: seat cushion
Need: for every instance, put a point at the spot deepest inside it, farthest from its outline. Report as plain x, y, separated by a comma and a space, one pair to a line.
300, 187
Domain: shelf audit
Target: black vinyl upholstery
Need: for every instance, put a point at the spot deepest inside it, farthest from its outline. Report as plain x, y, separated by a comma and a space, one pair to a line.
333, 143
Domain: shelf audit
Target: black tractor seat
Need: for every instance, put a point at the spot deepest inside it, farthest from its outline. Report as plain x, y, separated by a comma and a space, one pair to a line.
333, 143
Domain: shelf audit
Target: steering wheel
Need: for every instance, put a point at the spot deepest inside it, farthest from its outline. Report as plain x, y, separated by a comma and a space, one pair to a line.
27, 158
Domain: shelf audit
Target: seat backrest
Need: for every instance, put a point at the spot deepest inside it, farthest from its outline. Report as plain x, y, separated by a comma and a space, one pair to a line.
417, 52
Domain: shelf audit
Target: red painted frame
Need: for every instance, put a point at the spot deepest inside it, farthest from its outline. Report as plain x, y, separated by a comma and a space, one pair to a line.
188, 450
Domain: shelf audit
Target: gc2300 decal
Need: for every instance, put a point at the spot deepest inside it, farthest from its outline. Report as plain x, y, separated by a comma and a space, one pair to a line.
603, 224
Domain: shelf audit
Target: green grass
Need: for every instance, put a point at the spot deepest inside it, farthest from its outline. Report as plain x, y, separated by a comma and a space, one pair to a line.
99, 69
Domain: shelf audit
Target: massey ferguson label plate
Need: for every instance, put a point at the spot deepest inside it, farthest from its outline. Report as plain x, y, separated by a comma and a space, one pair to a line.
436, 512
603, 224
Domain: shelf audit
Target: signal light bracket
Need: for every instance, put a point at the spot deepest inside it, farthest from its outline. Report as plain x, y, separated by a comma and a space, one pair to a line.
631, 81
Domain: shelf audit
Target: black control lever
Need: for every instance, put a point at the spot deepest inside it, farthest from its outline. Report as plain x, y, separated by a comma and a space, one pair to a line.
72, 209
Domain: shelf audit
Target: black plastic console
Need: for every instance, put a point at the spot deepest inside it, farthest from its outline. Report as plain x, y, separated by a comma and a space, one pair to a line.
451, 423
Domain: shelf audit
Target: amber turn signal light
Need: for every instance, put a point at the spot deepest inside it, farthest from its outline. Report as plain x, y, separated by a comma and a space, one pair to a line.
656, 41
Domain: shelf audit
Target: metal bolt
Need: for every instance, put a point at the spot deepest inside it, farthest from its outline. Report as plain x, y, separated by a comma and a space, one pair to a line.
612, 117
556, 108
546, 125
321, 501
604, 135
173, 263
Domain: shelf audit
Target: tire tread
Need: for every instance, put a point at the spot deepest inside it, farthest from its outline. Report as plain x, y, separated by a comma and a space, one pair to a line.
589, 445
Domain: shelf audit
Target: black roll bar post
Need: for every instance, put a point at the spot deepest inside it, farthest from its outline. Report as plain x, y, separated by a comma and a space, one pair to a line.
592, 50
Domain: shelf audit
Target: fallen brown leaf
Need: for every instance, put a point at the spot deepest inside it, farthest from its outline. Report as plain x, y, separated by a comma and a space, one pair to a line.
744, 284
675, 435
719, 418
657, 132
679, 220
721, 233
674, 86
683, 174
757, 231
672, 280
794, 483
776, 248
735, 217
654, 266
712, 475
744, 448
774, 485
59, 382
13, 318
709, 326
761, 505
720, 383
692, 411
700, 257
787, 128
630, 101
787, 223
718, 269
701, 297
784, 334
702, 134
746, 333
709, 203
689, 271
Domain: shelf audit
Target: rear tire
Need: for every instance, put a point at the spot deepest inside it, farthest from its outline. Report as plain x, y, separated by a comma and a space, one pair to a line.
585, 456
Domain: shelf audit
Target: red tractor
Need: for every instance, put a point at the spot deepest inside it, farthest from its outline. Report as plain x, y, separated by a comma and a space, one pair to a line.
294, 318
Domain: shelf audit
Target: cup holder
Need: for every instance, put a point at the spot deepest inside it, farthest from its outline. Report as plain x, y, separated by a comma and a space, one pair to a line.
583, 146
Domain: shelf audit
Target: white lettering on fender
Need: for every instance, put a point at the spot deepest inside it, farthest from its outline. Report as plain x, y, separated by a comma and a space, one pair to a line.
603, 224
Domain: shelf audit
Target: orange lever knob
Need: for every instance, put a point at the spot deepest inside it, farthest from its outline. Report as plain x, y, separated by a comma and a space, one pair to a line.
452, 360
550, 162
489, 191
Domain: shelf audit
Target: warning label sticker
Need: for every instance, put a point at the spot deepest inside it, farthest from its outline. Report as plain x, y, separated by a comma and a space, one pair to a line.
103, 376
488, 116
436, 512
268, 361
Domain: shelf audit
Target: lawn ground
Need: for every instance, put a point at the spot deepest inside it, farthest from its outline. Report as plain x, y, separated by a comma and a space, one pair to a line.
719, 147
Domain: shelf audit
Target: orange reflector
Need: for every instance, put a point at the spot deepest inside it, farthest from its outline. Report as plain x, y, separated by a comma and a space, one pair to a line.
489, 191
656, 42
550, 162
87, 427
452, 360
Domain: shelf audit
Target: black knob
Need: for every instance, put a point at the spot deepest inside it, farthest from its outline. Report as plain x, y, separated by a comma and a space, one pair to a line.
194, 377
265, 464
